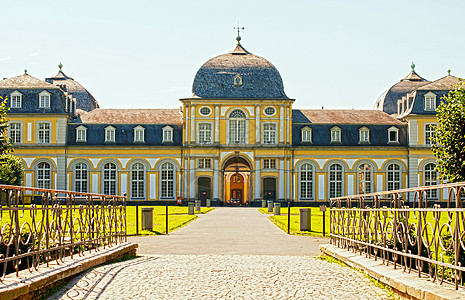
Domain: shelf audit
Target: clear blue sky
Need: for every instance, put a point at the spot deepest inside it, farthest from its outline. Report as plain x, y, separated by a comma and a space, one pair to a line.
144, 54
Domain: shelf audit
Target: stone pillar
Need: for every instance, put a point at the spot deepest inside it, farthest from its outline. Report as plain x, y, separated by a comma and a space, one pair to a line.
186, 132
288, 126
257, 124
217, 124
186, 176
193, 124
288, 179
192, 177
257, 178
216, 178
281, 124
61, 172
412, 174
281, 178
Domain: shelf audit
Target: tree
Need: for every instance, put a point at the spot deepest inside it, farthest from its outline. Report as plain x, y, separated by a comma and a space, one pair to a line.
5, 142
11, 170
449, 139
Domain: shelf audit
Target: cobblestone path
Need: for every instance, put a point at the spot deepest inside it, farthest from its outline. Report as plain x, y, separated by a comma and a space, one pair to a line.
221, 277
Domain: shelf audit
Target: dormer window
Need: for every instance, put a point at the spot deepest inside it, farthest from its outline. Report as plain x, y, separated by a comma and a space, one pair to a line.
430, 101
306, 134
393, 135
81, 134
335, 134
237, 81
364, 135
167, 134
44, 99
139, 134
16, 99
109, 134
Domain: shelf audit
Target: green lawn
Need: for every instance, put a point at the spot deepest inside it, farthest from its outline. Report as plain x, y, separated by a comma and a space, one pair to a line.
316, 217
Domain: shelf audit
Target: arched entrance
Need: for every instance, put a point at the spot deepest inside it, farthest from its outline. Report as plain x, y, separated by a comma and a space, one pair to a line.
237, 181
204, 189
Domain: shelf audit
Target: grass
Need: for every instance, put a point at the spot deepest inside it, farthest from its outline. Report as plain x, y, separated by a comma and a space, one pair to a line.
316, 221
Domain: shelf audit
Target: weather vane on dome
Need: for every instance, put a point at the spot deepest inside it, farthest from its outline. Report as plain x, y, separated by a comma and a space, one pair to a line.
413, 67
60, 65
238, 28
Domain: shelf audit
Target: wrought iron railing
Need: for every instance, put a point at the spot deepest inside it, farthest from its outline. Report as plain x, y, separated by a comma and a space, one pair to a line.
416, 235
60, 224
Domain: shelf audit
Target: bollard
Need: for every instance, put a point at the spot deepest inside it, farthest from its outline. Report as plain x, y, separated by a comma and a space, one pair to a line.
270, 206
323, 209
263, 203
305, 219
147, 218
197, 205
190, 208
209, 202
277, 209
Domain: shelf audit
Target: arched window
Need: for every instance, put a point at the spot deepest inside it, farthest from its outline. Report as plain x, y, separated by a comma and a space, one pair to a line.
393, 177
81, 178
237, 127
335, 181
431, 178
364, 179
306, 181
109, 179
167, 181
44, 176
137, 181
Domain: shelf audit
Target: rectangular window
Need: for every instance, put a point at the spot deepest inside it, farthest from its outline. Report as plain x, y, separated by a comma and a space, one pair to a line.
430, 103
430, 132
44, 101
269, 133
205, 133
335, 135
15, 132
138, 135
44, 133
15, 101
81, 135
364, 136
167, 135
109, 135
205, 163
306, 135
269, 163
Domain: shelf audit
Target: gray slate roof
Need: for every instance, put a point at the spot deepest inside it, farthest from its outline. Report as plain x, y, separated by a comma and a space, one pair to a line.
261, 80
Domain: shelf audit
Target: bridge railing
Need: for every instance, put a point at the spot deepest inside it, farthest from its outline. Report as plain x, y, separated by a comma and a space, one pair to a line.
417, 235
57, 225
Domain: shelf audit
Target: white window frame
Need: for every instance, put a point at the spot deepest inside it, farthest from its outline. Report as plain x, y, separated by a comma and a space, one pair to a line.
15, 134
137, 180
202, 132
430, 177
336, 185
336, 133
393, 183
269, 136
78, 180
139, 134
107, 182
429, 133
364, 135
306, 181
269, 115
167, 133
237, 131
306, 134
16, 98
269, 163
44, 135
44, 99
204, 163
44, 175
205, 115
430, 101
110, 134
364, 185
167, 192
396, 130
81, 134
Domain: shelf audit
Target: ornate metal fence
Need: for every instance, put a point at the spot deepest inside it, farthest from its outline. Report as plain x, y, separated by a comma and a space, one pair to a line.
416, 235
61, 224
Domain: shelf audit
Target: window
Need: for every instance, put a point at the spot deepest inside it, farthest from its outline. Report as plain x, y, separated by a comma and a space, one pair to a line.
137, 181
364, 179
205, 163
237, 127
81, 178
167, 134
237, 81
430, 178
393, 135
44, 133
269, 133
15, 133
110, 134
393, 177
16, 99
335, 134
205, 133
44, 176
364, 135
109, 179
269, 111
139, 134
335, 181
306, 135
306, 181
205, 111
430, 132
167, 181
430, 101
81, 134
269, 163
44, 99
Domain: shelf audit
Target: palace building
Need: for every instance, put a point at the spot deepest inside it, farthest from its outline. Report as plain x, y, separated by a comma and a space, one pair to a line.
237, 138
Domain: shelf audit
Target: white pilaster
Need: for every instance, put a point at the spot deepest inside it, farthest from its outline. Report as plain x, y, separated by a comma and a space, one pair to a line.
350, 185
257, 179
281, 178
321, 187
288, 130
186, 176
288, 180
192, 177
216, 178
124, 184
186, 138
95, 183
413, 132
29, 132
153, 186
217, 124
379, 183
257, 125
192, 123
281, 124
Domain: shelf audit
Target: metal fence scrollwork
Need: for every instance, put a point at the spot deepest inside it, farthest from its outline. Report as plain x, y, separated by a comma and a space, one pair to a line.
55, 226
417, 235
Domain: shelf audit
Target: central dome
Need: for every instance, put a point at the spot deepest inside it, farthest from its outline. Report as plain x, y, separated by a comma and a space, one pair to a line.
238, 74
